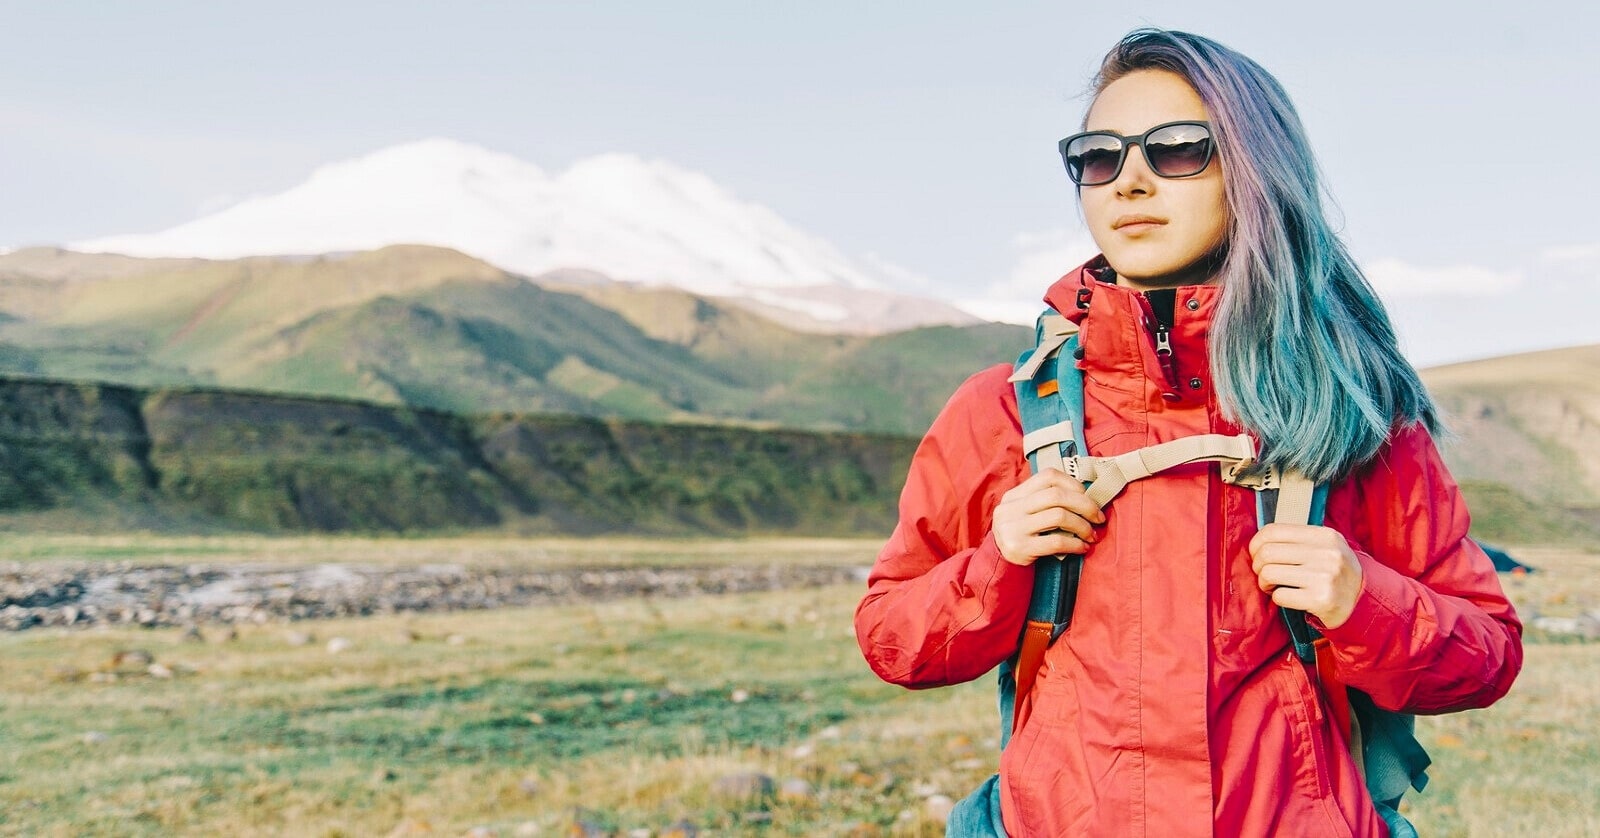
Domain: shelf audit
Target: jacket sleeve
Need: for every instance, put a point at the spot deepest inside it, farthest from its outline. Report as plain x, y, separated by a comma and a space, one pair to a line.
942, 606
1432, 631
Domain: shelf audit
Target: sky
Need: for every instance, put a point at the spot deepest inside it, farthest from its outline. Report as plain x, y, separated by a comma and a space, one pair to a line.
1452, 135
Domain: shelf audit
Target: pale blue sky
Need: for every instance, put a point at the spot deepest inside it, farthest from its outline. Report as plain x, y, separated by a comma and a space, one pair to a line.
1453, 134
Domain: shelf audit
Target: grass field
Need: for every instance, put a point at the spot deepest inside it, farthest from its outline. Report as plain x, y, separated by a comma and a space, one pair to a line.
619, 718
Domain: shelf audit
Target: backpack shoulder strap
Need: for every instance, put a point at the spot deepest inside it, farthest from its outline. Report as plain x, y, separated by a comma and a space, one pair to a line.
1384, 742
1295, 501
1049, 390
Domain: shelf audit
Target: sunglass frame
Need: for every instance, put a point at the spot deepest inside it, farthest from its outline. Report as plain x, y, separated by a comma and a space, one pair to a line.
1138, 140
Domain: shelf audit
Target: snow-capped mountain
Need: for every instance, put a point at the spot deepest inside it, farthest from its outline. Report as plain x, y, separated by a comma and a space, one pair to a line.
616, 214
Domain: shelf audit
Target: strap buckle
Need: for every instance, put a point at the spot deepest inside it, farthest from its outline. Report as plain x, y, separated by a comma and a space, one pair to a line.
1251, 474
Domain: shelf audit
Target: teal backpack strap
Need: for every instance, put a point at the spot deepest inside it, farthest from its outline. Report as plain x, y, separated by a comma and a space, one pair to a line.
1049, 389
1055, 580
1392, 759
1301, 632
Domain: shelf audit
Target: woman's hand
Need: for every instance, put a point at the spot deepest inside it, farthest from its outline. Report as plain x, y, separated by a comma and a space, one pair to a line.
1046, 515
1309, 568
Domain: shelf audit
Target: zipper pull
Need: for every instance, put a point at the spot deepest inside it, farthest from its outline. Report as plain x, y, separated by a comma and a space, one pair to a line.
1169, 367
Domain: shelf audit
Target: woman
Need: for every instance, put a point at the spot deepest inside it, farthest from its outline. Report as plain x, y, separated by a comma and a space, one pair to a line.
1172, 705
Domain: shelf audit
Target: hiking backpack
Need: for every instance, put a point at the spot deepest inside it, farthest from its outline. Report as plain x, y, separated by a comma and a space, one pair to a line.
1049, 388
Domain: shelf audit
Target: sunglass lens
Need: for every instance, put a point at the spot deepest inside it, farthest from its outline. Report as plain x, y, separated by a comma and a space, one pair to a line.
1179, 150
1094, 159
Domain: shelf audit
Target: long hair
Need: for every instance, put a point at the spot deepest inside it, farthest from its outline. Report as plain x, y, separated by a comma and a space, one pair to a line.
1303, 353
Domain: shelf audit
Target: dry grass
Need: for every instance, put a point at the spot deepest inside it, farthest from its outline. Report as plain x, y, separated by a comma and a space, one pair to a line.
622, 716
1526, 766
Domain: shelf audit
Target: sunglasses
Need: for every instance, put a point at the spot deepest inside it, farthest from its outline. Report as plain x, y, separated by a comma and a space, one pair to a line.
1173, 149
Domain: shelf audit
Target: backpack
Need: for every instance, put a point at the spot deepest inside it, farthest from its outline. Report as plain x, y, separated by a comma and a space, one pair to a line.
1050, 400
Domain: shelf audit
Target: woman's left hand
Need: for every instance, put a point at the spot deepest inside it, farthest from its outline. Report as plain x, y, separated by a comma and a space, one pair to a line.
1309, 568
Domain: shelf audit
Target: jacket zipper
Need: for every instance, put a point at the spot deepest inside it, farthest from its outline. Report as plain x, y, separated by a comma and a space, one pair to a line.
1162, 338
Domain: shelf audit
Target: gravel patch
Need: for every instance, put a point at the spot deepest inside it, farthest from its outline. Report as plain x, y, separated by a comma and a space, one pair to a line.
84, 594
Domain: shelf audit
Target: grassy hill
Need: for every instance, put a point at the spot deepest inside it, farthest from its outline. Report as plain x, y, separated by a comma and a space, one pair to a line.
1526, 446
432, 328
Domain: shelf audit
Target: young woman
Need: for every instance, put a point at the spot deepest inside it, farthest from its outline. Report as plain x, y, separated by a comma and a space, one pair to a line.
1173, 704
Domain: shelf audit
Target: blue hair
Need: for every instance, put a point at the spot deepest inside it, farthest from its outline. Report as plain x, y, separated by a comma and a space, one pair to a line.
1302, 350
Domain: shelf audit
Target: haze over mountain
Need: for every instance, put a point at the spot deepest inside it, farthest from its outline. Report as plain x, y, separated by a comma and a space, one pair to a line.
616, 215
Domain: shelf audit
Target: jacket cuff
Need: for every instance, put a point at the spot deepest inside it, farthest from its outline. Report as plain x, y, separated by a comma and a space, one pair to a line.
993, 580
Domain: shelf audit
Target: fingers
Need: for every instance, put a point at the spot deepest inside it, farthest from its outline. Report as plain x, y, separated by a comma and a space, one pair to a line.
1024, 539
1064, 520
1277, 576
1055, 543
1313, 569
1297, 588
1053, 488
1298, 599
1046, 515
1295, 544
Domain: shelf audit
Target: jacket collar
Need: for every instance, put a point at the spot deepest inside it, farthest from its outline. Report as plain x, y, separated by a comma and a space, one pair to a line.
1071, 294
1118, 333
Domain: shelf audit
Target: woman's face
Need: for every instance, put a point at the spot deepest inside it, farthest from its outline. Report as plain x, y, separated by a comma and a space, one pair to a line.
1155, 231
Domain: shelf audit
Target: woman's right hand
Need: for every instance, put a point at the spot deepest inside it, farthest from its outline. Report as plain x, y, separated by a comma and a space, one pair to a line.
1046, 515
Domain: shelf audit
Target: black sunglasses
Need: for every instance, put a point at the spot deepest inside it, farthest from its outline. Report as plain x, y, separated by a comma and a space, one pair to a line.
1173, 149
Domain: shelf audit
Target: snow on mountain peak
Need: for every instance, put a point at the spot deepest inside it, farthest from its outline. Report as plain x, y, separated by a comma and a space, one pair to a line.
627, 217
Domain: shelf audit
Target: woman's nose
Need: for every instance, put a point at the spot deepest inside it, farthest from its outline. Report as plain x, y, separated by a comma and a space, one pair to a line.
1135, 177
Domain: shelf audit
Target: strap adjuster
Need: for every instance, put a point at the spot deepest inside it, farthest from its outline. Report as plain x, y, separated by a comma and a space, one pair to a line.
1251, 474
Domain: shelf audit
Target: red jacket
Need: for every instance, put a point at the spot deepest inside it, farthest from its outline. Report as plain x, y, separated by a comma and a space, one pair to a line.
1173, 705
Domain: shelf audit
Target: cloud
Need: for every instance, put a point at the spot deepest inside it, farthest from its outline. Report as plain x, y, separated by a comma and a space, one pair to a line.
218, 203
900, 277
1581, 261
1396, 279
1460, 313
1039, 259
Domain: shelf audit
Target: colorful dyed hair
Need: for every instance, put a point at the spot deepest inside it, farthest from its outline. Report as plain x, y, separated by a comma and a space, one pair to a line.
1302, 350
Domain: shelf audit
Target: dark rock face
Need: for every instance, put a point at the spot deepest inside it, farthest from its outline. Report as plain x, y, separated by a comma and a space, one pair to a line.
57, 440
234, 460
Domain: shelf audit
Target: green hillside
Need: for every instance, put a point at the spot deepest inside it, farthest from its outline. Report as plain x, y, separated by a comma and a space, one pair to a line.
432, 328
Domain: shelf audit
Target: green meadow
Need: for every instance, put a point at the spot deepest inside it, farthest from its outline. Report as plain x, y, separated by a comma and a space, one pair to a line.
736, 714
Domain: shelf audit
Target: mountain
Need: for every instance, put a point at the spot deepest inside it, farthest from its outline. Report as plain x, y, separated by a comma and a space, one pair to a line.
627, 218
434, 328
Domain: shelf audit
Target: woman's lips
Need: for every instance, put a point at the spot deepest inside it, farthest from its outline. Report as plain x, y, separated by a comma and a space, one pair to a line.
1136, 224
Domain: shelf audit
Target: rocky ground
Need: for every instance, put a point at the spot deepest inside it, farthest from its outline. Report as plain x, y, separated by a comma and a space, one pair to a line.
83, 594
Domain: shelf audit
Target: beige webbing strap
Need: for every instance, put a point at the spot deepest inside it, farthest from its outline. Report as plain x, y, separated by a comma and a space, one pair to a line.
1294, 499
1110, 475
1056, 331
1046, 442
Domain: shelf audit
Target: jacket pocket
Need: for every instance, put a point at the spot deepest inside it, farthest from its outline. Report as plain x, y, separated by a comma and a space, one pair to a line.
1316, 755
1045, 764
